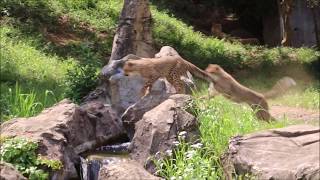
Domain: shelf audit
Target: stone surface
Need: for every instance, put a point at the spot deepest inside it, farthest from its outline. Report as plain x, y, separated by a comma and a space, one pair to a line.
65, 130
282, 154
126, 90
129, 170
159, 128
134, 32
8, 172
135, 112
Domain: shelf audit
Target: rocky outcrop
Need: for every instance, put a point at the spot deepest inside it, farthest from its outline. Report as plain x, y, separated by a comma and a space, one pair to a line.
159, 128
126, 90
65, 130
282, 154
135, 112
129, 170
8, 172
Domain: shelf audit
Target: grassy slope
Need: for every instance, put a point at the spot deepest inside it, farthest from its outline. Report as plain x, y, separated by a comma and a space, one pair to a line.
38, 66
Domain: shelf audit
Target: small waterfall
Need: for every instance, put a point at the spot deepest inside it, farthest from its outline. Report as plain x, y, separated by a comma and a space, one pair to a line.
91, 162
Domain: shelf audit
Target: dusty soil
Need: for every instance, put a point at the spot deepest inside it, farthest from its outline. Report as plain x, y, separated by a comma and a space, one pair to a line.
294, 113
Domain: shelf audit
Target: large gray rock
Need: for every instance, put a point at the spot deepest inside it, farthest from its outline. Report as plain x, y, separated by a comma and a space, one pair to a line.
135, 112
125, 170
8, 172
281, 154
126, 90
159, 128
65, 130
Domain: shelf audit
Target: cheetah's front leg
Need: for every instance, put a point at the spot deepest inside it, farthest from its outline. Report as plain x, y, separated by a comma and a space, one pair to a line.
147, 86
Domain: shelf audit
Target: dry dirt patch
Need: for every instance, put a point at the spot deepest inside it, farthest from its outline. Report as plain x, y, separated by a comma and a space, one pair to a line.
295, 113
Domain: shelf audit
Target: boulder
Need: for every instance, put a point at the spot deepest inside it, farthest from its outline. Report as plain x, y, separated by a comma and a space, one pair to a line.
129, 170
8, 172
158, 129
126, 90
135, 112
65, 130
285, 154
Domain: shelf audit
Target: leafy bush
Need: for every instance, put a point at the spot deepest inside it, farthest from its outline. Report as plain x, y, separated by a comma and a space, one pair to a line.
22, 154
80, 81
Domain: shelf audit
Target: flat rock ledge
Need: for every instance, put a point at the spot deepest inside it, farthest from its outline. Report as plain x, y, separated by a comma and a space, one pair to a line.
280, 154
129, 170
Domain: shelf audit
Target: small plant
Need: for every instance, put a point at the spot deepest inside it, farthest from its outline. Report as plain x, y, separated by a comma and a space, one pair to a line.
22, 154
80, 81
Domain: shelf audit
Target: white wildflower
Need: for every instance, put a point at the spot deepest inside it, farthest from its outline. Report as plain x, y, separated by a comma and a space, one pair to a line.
197, 145
169, 152
182, 133
190, 154
176, 143
172, 178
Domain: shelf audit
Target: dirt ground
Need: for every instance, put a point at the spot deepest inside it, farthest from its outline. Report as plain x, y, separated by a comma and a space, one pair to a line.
295, 113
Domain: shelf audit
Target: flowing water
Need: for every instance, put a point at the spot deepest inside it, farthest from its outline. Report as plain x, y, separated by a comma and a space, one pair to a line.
92, 162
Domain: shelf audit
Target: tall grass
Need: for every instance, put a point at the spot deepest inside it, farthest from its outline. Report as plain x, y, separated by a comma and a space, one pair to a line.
308, 98
219, 120
17, 103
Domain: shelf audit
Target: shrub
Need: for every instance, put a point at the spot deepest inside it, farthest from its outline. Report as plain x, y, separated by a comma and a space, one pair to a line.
22, 154
80, 81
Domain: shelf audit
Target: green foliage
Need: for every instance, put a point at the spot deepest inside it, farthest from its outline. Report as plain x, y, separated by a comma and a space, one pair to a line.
219, 120
53, 164
80, 81
16, 103
202, 50
21, 62
22, 154
187, 161
303, 98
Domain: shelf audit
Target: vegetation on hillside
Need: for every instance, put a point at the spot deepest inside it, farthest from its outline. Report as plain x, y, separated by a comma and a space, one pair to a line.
52, 49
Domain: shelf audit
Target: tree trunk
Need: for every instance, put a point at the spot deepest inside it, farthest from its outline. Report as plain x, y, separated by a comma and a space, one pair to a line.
285, 9
133, 34
281, 21
316, 25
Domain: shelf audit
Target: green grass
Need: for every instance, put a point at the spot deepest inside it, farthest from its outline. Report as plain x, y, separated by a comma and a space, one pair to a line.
202, 50
304, 98
36, 73
219, 120
304, 95
16, 102
21, 62
30, 79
